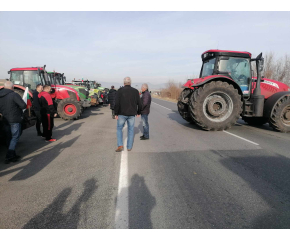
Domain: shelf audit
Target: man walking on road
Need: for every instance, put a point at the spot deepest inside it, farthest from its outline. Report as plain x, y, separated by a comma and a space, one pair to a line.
127, 106
112, 97
48, 112
11, 107
146, 102
36, 106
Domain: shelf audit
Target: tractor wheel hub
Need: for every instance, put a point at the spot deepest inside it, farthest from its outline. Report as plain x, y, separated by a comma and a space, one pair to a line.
287, 115
216, 106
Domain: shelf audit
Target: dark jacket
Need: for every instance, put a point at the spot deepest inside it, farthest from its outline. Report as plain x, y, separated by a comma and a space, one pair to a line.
35, 100
112, 97
46, 103
127, 102
146, 102
11, 106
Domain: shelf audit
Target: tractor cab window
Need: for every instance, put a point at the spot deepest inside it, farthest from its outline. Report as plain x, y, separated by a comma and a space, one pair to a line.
17, 77
26, 78
239, 70
208, 67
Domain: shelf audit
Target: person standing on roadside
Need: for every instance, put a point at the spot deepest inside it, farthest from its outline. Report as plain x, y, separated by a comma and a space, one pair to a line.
36, 105
146, 102
111, 97
127, 106
48, 112
11, 108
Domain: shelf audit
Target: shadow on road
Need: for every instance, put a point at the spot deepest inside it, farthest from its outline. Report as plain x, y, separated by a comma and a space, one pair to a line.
54, 217
38, 161
175, 116
273, 185
141, 203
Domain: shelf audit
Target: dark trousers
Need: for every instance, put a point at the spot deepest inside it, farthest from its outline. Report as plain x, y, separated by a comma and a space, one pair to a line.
38, 121
47, 124
113, 113
145, 122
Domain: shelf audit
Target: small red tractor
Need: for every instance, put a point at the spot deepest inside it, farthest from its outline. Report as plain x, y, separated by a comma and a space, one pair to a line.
226, 90
66, 98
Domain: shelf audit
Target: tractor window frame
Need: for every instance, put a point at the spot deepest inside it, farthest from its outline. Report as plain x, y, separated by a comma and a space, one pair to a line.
213, 70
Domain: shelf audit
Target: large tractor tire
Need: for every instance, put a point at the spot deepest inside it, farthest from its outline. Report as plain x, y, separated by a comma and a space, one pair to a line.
280, 118
215, 106
20, 92
69, 109
255, 121
182, 105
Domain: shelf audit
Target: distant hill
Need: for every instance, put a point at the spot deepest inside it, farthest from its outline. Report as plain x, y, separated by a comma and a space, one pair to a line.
151, 86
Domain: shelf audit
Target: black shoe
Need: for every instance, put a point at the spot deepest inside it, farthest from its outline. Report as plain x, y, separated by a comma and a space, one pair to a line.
144, 138
15, 158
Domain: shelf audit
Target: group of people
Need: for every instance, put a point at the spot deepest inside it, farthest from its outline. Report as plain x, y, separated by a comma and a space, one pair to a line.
126, 104
12, 107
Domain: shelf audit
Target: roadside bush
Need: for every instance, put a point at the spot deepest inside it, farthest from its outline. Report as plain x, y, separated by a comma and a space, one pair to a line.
276, 69
172, 90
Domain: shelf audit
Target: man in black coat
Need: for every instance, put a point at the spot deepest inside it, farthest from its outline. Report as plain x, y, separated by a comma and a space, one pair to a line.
11, 107
36, 106
127, 106
146, 102
112, 97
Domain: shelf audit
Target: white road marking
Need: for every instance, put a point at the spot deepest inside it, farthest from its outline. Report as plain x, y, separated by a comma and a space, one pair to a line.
241, 138
122, 206
162, 106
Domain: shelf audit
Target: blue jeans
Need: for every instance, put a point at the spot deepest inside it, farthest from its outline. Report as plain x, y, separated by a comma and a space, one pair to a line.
15, 133
144, 118
120, 124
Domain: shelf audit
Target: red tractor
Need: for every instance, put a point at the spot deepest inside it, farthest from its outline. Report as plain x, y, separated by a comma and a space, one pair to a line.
66, 98
226, 90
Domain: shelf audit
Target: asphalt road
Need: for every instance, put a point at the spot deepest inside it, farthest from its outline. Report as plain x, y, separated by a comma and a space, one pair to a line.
183, 177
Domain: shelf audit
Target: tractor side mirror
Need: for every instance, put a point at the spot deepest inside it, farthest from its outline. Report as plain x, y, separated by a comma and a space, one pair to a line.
9, 72
259, 57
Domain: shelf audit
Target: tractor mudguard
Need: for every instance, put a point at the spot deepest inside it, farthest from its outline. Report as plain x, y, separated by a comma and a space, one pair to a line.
271, 102
192, 83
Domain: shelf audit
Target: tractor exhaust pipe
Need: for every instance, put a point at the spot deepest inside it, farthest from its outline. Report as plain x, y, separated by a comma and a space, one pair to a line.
257, 98
45, 76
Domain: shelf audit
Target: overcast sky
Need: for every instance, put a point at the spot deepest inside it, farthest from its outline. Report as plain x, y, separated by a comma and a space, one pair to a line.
147, 46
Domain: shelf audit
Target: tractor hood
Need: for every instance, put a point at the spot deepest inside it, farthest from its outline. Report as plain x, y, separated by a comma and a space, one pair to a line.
198, 81
270, 86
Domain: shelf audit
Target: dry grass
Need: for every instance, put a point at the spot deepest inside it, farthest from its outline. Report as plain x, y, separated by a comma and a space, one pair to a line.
171, 91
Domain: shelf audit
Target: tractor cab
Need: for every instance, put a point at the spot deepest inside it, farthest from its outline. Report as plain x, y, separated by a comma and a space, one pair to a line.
27, 77
234, 65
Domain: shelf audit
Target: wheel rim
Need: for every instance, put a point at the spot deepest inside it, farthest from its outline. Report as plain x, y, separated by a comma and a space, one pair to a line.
285, 116
218, 106
70, 109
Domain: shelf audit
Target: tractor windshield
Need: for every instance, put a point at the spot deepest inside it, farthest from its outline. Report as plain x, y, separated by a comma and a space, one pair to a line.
208, 67
28, 79
238, 68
